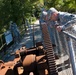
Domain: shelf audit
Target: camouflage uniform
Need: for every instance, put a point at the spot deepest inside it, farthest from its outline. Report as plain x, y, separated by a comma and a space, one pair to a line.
51, 31
67, 21
42, 20
15, 32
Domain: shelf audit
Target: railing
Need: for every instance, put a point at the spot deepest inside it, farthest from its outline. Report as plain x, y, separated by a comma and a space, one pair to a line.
2, 42
71, 51
2, 45
65, 49
22, 29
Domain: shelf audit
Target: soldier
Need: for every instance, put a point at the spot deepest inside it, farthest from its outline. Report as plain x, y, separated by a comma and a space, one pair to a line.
64, 20
15, 32
44, 20
43, 17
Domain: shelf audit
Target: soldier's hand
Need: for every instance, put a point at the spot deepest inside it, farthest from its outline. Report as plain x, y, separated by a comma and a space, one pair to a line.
59, 28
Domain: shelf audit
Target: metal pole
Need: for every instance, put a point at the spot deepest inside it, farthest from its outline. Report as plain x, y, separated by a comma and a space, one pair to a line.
59, 45
33, 37
72, 55
70, 35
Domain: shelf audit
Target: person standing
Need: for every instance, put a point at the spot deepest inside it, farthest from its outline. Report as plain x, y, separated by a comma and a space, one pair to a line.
15, 32
65, 21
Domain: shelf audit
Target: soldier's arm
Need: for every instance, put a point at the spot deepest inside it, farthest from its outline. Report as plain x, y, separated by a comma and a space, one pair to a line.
69, 24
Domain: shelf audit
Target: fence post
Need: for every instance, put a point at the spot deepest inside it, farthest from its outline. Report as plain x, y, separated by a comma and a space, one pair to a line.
72, 55
33, 36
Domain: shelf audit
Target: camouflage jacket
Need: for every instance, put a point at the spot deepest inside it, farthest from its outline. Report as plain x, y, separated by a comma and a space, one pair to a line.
66, 20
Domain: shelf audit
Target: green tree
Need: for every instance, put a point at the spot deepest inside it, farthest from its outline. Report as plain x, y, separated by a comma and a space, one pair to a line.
15, 10
19, 10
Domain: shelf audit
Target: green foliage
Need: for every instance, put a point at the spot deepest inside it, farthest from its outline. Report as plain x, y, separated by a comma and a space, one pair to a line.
19, 10
15, 10
62, 5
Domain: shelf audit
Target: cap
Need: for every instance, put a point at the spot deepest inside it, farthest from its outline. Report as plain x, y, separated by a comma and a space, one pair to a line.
43, 15
51, 11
